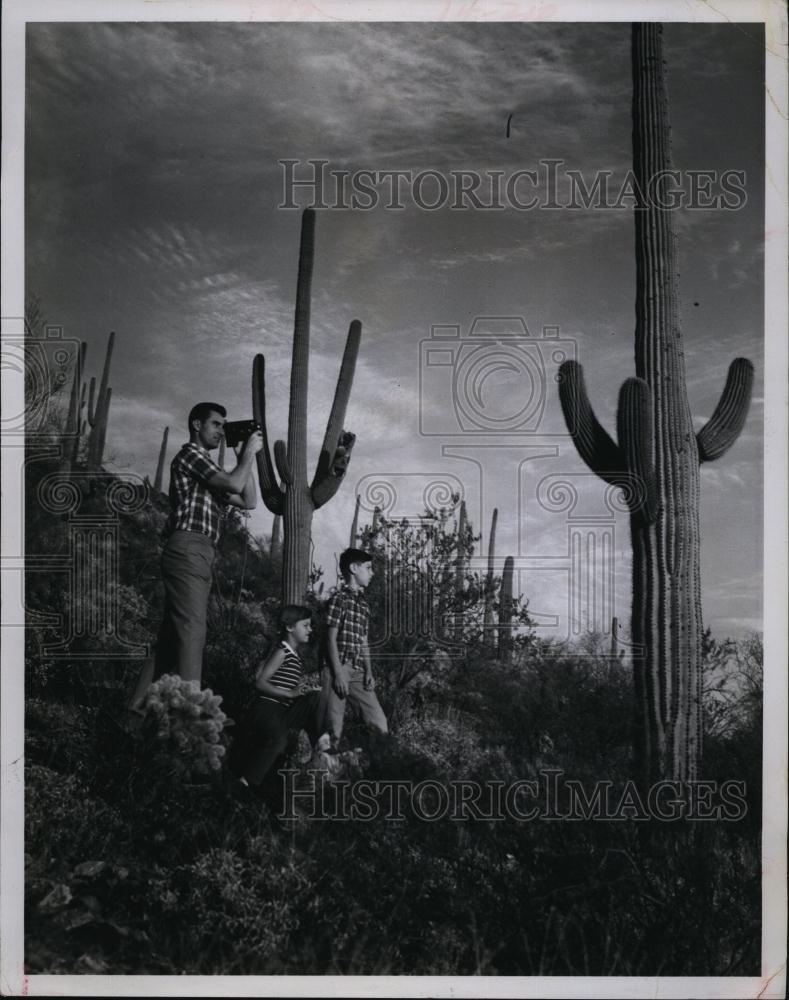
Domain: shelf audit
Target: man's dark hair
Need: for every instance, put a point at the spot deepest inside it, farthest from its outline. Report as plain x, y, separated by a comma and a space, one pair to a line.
351, 556
290, 614
202, 411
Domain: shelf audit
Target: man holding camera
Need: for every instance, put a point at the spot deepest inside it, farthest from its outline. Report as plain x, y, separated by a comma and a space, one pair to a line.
200, 493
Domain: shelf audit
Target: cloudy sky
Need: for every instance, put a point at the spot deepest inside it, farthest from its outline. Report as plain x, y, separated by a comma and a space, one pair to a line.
152, 190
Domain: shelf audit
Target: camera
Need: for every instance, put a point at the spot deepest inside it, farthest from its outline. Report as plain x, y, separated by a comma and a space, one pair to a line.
496, 376
237, 431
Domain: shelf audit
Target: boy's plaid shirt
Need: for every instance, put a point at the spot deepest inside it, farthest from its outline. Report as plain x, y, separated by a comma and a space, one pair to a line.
194, 506
349, 612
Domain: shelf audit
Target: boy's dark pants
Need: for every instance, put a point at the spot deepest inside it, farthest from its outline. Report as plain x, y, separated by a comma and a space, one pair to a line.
263, 733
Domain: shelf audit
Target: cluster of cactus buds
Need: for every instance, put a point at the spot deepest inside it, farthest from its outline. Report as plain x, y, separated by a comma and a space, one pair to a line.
188, 720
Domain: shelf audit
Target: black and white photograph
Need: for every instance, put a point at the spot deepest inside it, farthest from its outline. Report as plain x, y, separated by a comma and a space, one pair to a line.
394, 466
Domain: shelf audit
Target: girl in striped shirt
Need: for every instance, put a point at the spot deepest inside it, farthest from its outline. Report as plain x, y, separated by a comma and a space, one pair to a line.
283, 702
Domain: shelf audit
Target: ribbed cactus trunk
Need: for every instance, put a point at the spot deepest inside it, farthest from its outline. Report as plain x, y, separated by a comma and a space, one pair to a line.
666, 615
157, 483
295, 498
487, 621
657, 456
505, 611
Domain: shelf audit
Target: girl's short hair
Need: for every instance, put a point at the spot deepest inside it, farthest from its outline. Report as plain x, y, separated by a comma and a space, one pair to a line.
290, 614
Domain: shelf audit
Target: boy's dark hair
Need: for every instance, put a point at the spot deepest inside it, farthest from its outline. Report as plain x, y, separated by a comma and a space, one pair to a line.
202, 411
351, 556
290, 614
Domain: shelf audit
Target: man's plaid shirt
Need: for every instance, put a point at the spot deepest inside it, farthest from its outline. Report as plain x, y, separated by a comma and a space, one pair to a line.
349, 612
194, 507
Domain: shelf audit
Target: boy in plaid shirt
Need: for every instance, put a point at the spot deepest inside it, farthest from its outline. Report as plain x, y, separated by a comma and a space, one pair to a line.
348, 677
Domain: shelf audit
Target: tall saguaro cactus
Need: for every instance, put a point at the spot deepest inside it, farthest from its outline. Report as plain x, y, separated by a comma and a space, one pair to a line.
460, 571
75, 408
487, 620
157, 483
505, 610
657, 455
98, 415
294, 497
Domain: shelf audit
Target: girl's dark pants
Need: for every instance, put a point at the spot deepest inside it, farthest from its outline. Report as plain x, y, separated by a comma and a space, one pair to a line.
263, 733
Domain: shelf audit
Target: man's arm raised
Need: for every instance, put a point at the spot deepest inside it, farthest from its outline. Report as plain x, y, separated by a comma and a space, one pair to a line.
239, 485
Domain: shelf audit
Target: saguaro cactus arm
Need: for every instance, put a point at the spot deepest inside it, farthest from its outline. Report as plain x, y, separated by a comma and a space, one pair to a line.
276, 528
634, 430
270, 490
92, 410
490, 590
594, 444
105, 411
505, 609
724, 426
282, 463
158, 479
337, 443
76, 386
98, 415
105, 375
355, 522
300, 358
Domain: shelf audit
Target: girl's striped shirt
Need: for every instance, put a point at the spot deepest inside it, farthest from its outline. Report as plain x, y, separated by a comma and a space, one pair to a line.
288, 675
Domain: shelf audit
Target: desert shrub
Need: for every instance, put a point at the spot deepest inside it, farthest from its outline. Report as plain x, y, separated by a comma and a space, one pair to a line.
733, 715
240, 636
60, 737
450, 744
64, 822
239, 911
